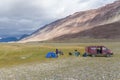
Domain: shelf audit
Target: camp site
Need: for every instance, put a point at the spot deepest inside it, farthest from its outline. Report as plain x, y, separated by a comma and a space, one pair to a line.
30, 60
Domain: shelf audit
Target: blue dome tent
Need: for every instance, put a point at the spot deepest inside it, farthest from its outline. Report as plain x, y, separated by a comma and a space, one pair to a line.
51, 55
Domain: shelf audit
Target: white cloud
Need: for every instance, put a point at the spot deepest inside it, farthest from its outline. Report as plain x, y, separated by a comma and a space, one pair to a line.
23, 15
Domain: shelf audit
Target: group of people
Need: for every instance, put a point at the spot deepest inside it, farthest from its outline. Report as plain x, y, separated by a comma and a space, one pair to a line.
76, 53
57, 53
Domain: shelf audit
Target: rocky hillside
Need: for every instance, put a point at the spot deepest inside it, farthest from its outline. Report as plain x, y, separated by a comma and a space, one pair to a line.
81, 23
109, 31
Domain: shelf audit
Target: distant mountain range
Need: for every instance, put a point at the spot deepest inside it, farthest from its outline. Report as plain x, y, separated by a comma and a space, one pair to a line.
99, 23
13, 38
8, 39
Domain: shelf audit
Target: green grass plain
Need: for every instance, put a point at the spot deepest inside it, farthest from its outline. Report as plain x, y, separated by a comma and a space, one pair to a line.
12, 54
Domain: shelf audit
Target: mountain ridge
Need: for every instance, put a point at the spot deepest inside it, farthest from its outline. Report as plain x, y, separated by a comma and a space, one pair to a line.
77, 22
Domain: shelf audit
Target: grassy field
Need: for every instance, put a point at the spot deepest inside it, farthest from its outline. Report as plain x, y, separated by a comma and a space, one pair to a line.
15, 54
28, 62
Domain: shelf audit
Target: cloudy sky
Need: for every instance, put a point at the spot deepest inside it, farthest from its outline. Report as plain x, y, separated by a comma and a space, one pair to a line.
19, 17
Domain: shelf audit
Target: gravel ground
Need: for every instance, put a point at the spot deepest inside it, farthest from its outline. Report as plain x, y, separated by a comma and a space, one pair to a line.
72, 68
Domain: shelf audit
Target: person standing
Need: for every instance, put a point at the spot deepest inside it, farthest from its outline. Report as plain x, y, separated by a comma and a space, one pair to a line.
57, 51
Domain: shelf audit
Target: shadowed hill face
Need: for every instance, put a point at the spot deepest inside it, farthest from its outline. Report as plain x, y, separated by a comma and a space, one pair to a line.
109, 31
78, 23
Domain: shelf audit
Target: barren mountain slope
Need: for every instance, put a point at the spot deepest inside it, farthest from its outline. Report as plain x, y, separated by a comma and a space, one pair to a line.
77, 23
109, 31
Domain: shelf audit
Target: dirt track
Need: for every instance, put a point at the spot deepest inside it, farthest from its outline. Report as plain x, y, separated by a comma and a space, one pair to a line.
72, 68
